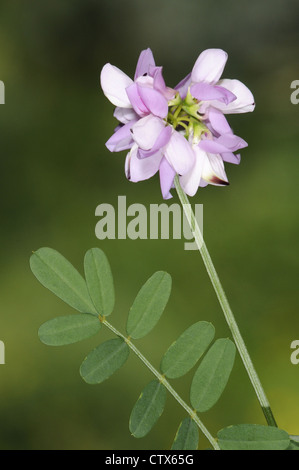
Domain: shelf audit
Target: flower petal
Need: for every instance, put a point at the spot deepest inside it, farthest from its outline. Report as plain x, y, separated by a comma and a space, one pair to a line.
167, 175
244, 102
191, 180
183, 86
159, 83
155, 102
218, 121
207, 92
212, 146
213, 170
145, 60
147, 130
162, 140
121, 139
209, 66
232, 142
136, 101
137, 169
124, 115
179, 153
114, 83
230, 157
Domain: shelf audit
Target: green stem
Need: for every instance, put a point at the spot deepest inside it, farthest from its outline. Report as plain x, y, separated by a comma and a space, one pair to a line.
166, 384
229, 316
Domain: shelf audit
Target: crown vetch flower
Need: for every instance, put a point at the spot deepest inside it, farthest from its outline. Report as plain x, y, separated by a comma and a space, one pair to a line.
142, 109
180, 131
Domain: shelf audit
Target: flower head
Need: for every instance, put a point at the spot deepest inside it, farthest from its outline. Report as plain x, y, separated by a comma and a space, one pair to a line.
181, 131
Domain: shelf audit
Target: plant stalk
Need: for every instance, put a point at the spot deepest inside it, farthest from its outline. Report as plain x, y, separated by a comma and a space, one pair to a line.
166, 384
228, 314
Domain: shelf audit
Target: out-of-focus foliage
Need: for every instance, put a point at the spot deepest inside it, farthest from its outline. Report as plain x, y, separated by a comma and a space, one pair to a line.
55, 170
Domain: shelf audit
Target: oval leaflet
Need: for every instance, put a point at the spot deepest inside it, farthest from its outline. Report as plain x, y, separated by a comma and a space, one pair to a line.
104, 360
68, 329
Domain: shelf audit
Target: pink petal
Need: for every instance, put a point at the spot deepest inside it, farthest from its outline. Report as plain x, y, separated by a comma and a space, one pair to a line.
121, 139
155, 102
162, 140
209, 66
146, 59
159, 83
147, 130
167, 175
137, 169
183, 86
244, 102
136, 101
179, 153
207, 92
212, 146
114, 83
218, 121
231, 158
232, 142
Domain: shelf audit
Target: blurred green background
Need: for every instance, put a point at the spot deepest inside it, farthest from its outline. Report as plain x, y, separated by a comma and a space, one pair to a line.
55, 170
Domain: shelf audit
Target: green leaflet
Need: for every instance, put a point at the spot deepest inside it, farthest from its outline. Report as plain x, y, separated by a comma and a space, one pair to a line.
99, 280
293, 445
183, 354
253, 437
59, 276
69, 329
187, 436
212, 375
104, 360
147, 409
149, 304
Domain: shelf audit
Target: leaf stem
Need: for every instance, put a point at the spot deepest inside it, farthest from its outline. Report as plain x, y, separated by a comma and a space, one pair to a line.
228, 314
166, 384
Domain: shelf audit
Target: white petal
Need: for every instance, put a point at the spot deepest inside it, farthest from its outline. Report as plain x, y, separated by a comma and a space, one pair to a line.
146, 131
244, 102
145, 81
114, 83
137, 169
125, 115
209, 66
179, 153
213, 170
190, 181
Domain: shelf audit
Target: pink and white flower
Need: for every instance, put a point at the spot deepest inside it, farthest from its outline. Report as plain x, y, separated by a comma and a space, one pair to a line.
181, 131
